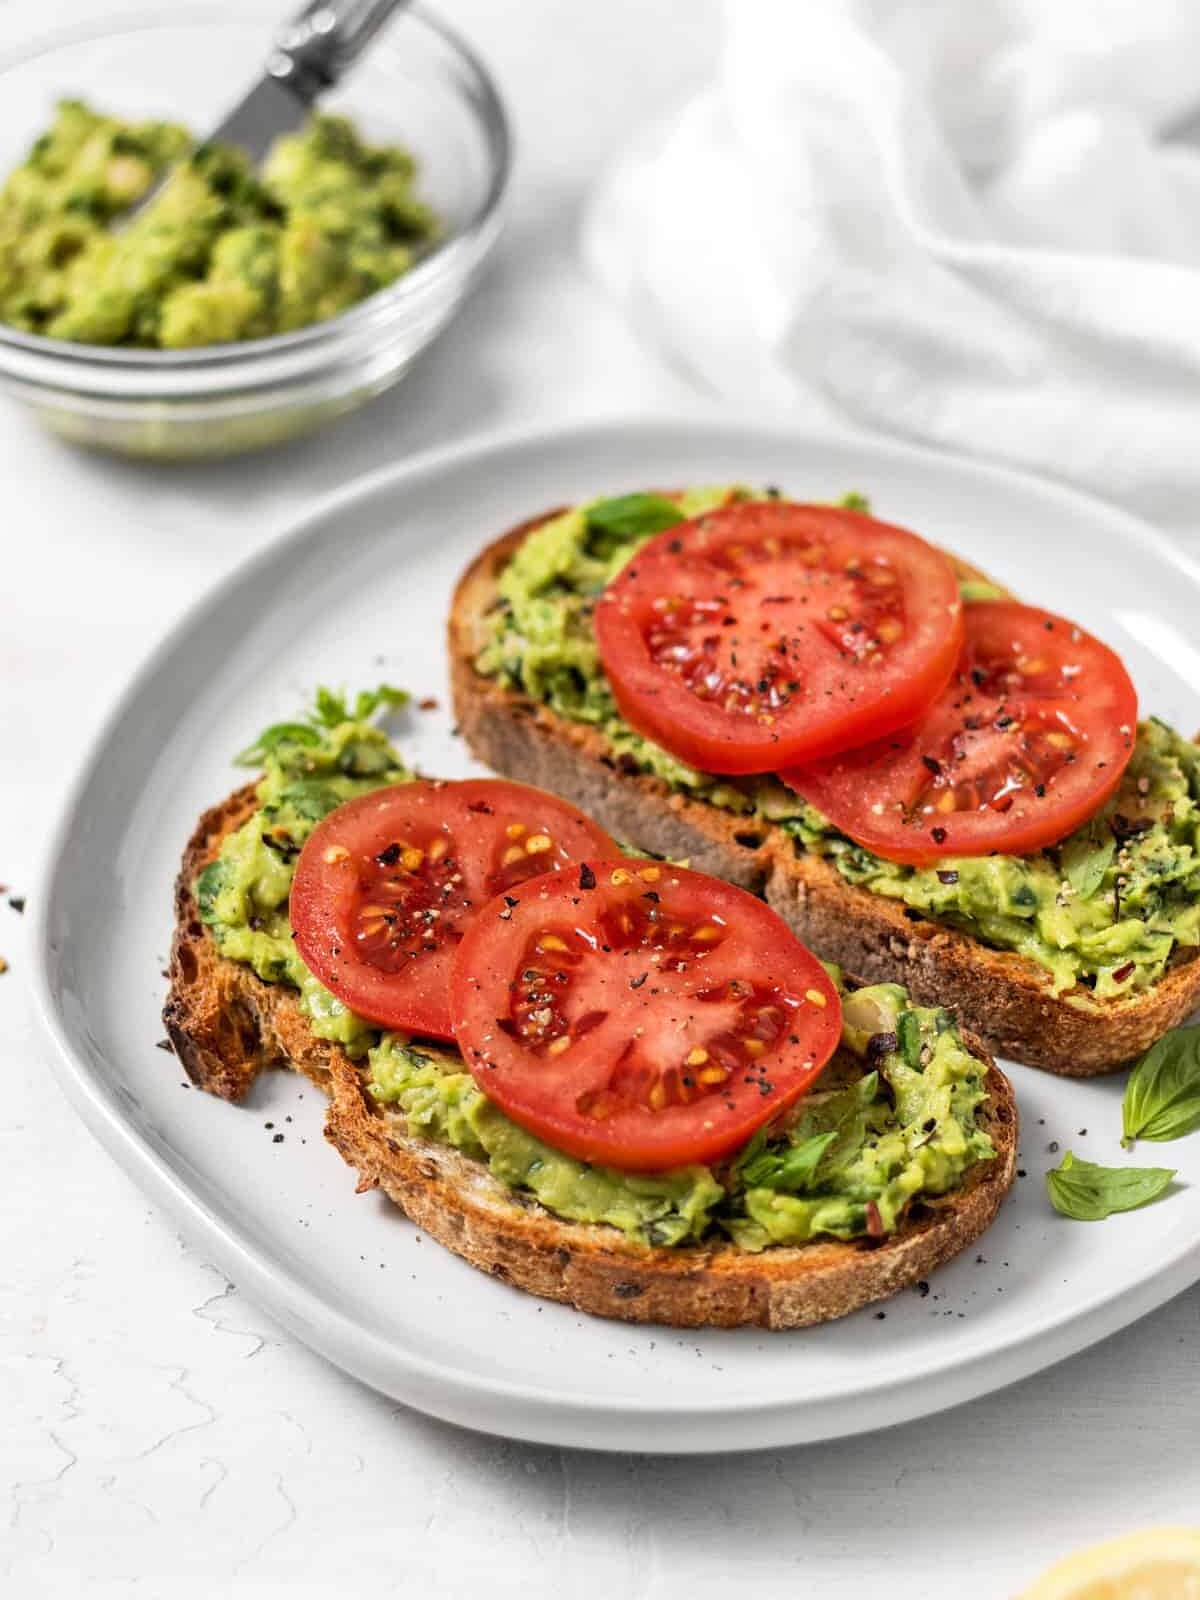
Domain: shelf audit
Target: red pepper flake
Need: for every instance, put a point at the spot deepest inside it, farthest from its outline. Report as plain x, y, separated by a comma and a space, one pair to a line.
1123, 972
429, 703
874, 1221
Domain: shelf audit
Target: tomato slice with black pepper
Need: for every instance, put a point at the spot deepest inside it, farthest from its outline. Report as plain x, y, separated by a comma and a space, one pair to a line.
640, 1015
765, 633
387, 884
1028, 740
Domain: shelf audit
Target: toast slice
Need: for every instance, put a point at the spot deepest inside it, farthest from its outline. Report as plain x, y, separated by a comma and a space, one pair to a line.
227, 1025
1004, 998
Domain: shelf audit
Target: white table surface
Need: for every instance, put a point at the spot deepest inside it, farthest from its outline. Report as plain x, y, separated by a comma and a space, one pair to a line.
161, 1437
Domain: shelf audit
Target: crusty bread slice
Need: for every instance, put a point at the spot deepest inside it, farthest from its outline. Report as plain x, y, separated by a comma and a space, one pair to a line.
1003, 997
227, 1025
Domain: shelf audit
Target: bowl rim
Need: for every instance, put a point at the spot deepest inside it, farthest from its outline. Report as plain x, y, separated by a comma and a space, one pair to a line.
485, 102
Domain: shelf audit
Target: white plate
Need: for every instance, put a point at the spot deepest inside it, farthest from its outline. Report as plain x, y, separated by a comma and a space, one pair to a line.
359, 592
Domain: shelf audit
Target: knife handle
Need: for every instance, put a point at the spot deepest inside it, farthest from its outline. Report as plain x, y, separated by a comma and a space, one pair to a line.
315, 48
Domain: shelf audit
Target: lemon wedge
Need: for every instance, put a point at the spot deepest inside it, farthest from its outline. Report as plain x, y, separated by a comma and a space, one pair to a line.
1155, 1564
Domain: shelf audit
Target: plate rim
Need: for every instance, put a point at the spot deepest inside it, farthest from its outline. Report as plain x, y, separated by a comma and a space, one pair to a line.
517, 1409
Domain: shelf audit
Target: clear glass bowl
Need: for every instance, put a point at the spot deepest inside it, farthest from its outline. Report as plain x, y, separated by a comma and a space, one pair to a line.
418, 86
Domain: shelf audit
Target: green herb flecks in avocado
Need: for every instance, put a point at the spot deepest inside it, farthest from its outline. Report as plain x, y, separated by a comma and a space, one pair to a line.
864, 1146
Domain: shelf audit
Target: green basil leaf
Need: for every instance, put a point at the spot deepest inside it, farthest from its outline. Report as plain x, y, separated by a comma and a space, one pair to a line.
908, 1030
1162, 1097
386, 695
791, 1167
209, 885
633, 516
1088, 1193
271, 738
331, 708
1085, 860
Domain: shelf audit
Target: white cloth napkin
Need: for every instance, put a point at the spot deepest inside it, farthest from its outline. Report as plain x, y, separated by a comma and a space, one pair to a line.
956, 220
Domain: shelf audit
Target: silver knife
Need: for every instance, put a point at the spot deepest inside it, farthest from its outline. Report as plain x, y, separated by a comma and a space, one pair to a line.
310, 54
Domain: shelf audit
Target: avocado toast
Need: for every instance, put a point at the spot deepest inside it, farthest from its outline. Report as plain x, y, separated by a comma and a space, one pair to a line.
914, 1126
1074, 959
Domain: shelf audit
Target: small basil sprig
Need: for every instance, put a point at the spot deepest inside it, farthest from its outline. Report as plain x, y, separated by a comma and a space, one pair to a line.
1088, 1193
633, 516
1162, 1097
331, 708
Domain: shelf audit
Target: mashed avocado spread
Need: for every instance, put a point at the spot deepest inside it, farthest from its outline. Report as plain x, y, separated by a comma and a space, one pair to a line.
891, 1121
1104, 910
221, 253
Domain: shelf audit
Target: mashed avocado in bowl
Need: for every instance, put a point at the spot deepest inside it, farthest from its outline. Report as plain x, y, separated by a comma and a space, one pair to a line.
220, 253
250, 310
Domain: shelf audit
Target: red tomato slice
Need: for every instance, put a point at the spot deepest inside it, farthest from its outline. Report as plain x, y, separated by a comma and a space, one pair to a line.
639, 1014
1028, 740
386, 885
764, 634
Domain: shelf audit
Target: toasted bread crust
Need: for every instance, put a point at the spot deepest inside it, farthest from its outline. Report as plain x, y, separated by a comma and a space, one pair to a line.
999, 995
227, 1025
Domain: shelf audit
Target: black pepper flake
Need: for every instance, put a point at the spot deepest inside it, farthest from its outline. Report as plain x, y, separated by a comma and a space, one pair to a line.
510, 901
277, 1138
587, 878
1053, 1147
165, 1044
922, 1288
948, 876
636, 983
932, 764
389, 856
17, 902
938, 835
1021, 1173
881, 1316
